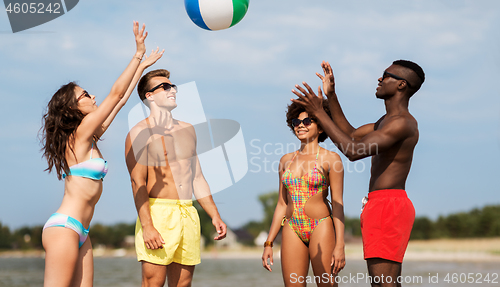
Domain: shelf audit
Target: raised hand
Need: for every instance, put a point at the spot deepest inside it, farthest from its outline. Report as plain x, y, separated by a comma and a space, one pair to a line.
308, 99
328, 79
140, 36
153, 57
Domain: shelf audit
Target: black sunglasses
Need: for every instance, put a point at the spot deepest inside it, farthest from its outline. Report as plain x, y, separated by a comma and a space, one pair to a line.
306, 121
387, 74
84, 94
165, 86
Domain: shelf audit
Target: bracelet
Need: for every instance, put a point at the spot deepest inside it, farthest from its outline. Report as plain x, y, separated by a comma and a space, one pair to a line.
140, 59
268, 243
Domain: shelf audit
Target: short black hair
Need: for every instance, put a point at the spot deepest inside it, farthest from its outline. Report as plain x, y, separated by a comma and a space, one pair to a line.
294, 110
415, 68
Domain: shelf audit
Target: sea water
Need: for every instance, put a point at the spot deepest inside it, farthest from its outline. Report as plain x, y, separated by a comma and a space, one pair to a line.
126, 271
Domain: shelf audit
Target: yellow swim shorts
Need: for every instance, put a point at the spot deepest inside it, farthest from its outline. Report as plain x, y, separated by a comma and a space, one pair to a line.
179, 225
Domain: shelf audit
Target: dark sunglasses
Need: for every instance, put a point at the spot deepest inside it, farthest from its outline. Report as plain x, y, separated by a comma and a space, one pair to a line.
306, 121
387, 74
84, 94
165, 86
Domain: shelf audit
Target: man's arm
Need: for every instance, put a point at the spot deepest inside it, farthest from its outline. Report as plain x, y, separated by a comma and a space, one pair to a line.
204, 196
338, 116
374, 142
138, 170
205, 199
337, 113
341, 121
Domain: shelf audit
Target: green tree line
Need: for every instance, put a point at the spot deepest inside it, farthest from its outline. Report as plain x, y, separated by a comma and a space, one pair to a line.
110, 236
477, 223
484, 222
269, 201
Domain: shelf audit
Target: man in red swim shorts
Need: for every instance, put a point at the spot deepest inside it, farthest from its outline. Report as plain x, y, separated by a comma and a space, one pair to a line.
388, 214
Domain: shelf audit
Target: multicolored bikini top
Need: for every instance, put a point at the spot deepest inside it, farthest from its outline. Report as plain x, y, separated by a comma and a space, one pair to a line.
304, 187
94, 168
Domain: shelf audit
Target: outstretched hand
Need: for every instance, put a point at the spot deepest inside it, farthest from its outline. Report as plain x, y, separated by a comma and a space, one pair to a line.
140, 36
328, 79
153, 57
308, 99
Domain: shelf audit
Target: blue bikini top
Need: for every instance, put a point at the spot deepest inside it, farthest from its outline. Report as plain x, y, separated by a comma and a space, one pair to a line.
94, 168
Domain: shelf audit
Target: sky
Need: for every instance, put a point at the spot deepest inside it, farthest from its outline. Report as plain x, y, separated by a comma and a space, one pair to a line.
245, 74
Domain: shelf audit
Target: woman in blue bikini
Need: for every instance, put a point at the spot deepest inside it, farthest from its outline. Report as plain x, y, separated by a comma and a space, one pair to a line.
72, 125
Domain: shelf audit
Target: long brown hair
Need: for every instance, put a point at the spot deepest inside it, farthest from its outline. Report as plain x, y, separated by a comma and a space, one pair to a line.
58, 124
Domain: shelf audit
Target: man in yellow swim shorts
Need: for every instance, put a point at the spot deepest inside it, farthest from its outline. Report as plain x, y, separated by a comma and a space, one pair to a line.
165, 173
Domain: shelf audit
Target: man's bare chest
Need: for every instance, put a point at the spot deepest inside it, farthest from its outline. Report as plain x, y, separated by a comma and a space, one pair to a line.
171, 146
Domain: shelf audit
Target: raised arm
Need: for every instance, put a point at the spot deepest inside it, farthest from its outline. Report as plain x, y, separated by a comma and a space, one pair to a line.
338, 116
279, 213
373, 142
136, 160
153, 57
91, 125
336, 179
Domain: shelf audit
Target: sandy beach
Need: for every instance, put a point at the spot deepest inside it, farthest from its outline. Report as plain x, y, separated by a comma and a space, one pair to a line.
427, 264
481, 249
473, 250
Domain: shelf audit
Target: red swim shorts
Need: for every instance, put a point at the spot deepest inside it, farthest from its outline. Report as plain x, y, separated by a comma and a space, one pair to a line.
386, 223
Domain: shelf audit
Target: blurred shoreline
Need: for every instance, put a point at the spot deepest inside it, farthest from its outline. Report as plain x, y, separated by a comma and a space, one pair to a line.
461, 250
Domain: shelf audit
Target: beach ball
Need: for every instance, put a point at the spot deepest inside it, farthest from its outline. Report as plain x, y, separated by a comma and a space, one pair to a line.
216, 14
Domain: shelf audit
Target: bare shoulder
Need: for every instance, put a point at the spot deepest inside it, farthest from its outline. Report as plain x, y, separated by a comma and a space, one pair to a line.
329, 155
138, 129
402, 119
330, 161
401, 124
186, 126
286, 159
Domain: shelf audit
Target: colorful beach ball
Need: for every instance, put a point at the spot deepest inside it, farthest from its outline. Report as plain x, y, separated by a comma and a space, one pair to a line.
216, 14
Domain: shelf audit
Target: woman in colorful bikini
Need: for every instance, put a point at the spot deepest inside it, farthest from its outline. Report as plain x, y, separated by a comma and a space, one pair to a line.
313, 231
72, 125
